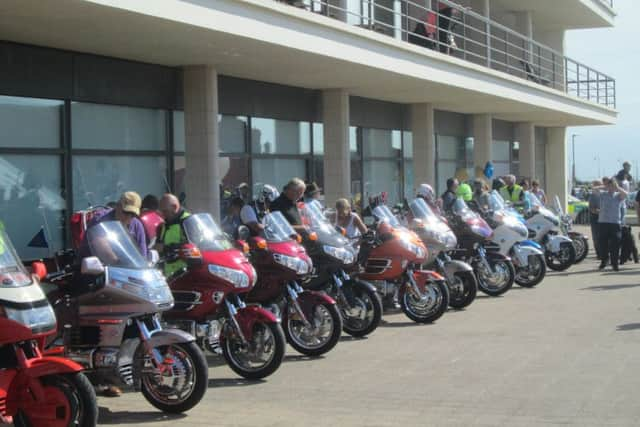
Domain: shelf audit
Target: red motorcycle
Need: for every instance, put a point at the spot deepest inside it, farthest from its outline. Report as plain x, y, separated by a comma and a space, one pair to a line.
311, 320
35, 390
208, 302
393, 256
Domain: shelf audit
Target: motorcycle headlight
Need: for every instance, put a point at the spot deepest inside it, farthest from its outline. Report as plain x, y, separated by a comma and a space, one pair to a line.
417, 250
238, 278
342, 254
38, 319
298, 265
148, 284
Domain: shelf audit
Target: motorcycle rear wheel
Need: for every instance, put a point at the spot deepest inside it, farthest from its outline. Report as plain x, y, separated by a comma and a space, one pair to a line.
326, 317
75, 400
429, 309
242, 361
582, 248
367, 300
507, 273
561, 262
526, 281
189, 361
459, 299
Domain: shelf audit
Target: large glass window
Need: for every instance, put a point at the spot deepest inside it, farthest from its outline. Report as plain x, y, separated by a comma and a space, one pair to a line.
501, 158
382, 150
276, 172
454, 159
30, 201
111, 127
98, 180
30, 122
270, 136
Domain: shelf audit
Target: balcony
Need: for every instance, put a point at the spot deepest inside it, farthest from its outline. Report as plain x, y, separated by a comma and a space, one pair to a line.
465, 34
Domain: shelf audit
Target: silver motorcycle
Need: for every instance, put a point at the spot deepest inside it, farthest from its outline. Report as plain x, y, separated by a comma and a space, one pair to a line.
109, 322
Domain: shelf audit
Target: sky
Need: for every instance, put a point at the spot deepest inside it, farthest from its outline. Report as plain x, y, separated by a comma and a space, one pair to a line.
616, 52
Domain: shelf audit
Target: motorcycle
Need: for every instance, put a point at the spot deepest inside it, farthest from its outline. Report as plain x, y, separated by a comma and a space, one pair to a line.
392, 256
209, 305
331, 254
580, 241
544, 227
494, 271
310, 319
110, 322
35, 390
511, 235
439, 240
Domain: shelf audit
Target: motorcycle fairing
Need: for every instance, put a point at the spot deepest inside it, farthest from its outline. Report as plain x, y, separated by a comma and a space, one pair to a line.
555, 243
521, 254
168, 336
532, 244
248, 316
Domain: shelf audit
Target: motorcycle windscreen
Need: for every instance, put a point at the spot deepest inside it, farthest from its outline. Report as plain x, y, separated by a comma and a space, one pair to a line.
383, 213
421, 210
557, 206
476, 224
202, 230
327, 233
12, 271
114, 247
276, 228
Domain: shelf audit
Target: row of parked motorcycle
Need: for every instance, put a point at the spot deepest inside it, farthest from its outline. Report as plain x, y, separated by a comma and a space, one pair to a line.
114, 318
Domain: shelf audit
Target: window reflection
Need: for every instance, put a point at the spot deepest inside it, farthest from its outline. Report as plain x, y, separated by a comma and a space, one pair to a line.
30, 122
270, 136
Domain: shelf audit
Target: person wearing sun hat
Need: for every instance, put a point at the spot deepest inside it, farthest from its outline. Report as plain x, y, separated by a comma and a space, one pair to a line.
126, 211
312, 192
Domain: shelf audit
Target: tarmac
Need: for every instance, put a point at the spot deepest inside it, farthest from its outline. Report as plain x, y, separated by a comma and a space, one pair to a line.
564, 353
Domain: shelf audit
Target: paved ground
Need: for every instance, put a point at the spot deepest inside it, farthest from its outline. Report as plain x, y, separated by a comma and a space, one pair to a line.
566, 353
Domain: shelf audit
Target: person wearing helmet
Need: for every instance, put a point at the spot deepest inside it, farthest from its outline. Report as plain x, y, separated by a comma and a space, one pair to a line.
425, 192
251, 213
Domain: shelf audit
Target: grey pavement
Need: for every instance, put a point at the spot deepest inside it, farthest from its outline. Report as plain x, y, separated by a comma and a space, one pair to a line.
564, 353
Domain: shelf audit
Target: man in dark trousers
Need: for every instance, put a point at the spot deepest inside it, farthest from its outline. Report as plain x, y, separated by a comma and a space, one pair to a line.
594, 213
610, 219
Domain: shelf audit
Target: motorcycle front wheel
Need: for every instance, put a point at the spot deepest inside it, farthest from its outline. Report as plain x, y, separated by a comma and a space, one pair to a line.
178, 384
499, 280
428, 308
563, 259
320, 336
73, 398
261, 356
364, 314
531, 275
463, 290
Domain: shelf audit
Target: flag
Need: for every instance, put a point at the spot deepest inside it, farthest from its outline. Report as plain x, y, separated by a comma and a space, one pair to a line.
39, 240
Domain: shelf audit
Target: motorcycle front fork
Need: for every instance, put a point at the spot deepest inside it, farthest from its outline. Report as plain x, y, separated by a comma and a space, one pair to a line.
293, 292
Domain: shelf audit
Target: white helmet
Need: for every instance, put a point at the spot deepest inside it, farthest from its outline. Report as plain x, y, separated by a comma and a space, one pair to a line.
269, 193
425, 191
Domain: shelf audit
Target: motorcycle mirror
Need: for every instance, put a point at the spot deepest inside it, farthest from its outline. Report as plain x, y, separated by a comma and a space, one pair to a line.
153, 256
91, 266
243, 232
341, 230
39, 269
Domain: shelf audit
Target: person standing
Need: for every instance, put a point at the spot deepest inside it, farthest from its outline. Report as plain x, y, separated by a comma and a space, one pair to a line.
624, 173
594, 213
610, 220
539, 192
171, 233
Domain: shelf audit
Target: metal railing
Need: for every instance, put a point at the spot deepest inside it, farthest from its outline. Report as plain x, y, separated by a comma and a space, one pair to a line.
608, 3
465, 34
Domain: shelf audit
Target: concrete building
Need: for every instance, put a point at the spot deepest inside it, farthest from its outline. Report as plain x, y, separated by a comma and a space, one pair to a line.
361, 96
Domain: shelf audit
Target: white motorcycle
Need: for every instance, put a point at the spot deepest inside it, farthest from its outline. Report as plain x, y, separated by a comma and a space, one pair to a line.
580, 241
544, 227
511, 235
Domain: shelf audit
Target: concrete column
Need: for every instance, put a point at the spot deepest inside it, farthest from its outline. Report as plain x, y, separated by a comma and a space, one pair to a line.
337, 157
556, 164
525, 134
482, 140
424, 144
201, 139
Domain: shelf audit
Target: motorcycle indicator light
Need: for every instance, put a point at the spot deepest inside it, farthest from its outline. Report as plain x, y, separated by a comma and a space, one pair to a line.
313, 236
298, 238
261, 244
245, 248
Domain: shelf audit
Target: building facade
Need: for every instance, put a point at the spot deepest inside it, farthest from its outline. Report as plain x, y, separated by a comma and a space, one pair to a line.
197, 96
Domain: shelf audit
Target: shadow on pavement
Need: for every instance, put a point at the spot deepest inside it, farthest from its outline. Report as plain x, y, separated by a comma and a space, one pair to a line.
485, 296
628, 327
300, 358
232, 382
384, 324
107, 417
623, 272
610, 287
571, 273
349, 338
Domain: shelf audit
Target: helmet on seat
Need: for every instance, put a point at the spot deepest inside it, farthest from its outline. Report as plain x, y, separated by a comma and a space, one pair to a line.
269, 193
425, 191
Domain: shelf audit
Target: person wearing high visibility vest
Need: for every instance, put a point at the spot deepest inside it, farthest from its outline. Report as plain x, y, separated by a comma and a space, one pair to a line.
171, 234
464, 192
512, 192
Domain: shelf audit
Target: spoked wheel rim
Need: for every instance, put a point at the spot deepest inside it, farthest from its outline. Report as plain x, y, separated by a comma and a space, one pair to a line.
259, 352
359, 315
580, 246
317, 334
563, 258
531, 272
174, 381
498, 278
425, 306
457, 289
